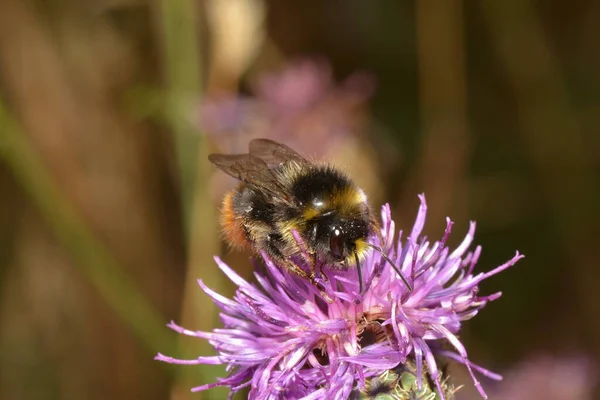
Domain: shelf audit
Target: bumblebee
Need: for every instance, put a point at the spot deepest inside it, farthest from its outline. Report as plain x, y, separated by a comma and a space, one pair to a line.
290, 207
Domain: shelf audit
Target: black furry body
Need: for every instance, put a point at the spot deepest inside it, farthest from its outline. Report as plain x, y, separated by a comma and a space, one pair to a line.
281, 192
320, 192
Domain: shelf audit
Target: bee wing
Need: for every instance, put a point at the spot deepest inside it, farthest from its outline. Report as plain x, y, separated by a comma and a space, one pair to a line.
274, 153
251, 170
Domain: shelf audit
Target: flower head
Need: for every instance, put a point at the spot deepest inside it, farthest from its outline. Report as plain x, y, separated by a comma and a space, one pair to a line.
284, 341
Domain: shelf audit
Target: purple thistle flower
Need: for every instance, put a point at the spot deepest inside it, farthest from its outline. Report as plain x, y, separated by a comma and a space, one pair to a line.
285, 342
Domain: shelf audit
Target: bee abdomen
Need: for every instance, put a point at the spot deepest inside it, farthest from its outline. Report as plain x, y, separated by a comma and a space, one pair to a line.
232, 223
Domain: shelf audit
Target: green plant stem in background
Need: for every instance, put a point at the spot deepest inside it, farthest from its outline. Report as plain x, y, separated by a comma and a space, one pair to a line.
96, 263
181, 60
444, 140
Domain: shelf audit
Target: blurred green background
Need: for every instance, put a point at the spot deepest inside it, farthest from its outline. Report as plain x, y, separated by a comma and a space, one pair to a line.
108, 206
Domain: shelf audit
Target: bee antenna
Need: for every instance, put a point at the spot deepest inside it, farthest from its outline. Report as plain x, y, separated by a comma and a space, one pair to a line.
359, 270
386, 258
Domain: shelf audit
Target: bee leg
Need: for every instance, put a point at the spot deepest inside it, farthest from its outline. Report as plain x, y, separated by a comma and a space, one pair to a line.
318, 269
292, 267
271, 244
324, 294
312, 278
323, 276
314, 268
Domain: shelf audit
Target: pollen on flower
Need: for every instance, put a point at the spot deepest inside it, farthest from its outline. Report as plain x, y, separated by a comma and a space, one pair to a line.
283, 341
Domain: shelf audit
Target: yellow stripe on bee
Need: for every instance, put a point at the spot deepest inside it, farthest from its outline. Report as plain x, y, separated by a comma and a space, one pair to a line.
348, 199
344, 201
311, 212
361, 252
286, 231
360, 196
361, 248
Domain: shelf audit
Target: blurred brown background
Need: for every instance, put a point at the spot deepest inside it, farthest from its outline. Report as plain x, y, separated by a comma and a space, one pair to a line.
108, 206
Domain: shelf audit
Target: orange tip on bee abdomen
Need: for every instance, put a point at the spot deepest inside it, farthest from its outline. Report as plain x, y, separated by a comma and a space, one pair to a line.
232, 224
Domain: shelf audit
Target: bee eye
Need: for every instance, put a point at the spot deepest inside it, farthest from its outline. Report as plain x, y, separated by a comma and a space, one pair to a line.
336, 244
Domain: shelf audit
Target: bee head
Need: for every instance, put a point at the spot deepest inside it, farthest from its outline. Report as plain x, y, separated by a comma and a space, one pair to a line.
334, 215
337, 239
337, 245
